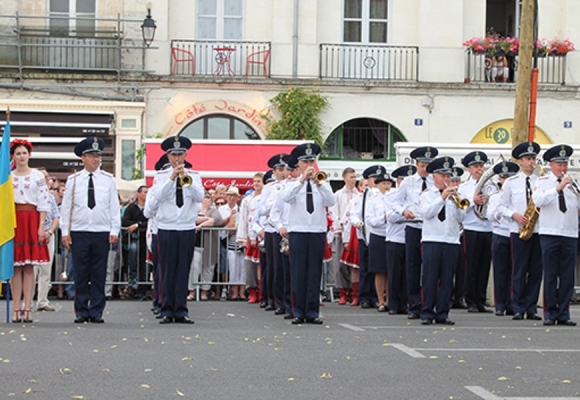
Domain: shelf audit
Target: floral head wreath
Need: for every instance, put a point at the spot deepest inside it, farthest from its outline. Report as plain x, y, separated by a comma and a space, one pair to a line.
20, 142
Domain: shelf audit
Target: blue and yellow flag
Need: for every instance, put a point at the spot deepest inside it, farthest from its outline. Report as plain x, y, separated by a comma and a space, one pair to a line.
7, 211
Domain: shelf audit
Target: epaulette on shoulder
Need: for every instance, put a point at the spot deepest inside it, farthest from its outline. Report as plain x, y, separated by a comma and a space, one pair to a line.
543, 178
73, 175
163, 171
190, 171
513, 178
107, 173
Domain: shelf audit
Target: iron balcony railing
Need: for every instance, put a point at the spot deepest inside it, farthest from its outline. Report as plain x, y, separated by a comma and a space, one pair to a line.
351, 61
111, 45
220, 58
551, 68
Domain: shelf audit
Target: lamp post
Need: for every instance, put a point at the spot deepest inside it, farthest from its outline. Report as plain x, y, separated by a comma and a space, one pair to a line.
148, 27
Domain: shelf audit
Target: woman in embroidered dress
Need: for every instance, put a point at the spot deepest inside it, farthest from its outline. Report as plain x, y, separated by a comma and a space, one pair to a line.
32, 204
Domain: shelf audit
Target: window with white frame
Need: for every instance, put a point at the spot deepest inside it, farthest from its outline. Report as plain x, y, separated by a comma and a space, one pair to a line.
220, 19
365, 21
74, 17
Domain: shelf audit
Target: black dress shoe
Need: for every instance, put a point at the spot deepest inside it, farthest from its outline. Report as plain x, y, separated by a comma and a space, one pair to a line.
499, 313
392, 312
279, 311
263, 305
288, 316
159, 316
472, 309
567, 322
81, 320
534, 317
412, 316
445, 321
315, 321
426, 321
365, 304
298, 321
97, 320
166, 320
484, 309
183, 320
549, 322
269, 308
509, 312
518, 316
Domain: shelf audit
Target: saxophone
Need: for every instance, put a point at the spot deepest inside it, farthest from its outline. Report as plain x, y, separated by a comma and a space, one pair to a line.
532, 212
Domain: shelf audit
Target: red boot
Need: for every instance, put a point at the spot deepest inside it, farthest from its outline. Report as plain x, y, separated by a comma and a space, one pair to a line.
342, 298
354, 302
253, 296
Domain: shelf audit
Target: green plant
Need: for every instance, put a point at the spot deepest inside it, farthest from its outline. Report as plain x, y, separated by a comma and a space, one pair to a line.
138, 172
299, 110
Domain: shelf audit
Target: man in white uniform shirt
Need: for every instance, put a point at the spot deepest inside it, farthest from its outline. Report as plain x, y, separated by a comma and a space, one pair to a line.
91, 223
556, 194
441, 219
176, 206
406, 202
307, 234
477, 235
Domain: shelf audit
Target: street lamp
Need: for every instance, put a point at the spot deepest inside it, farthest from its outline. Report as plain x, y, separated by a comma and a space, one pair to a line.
148, 27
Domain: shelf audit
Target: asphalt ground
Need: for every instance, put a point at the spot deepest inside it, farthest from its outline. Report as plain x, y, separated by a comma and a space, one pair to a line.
237, 350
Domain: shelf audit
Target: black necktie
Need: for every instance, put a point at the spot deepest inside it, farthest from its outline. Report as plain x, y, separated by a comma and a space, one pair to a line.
561, 199
178, 193
91, 194
528, 190
309, 200
441, 214
424, 185
363, 212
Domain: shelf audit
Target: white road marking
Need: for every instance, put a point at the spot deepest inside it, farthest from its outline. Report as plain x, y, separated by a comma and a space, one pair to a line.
352, 327
407, 350
485, 395
514, 350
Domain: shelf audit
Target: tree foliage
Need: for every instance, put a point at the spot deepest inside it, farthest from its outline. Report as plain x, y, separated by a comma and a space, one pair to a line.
299, 111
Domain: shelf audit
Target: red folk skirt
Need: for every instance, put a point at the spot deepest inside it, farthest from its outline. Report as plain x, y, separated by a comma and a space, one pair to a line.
350, 257
252, 254
27, 247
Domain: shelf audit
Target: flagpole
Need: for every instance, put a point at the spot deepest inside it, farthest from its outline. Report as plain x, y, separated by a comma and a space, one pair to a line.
8, 280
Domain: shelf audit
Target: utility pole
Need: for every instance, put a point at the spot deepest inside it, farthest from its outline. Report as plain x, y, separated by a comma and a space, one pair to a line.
524, 83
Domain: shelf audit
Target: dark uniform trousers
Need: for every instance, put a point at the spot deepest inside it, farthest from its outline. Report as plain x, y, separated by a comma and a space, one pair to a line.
274, 276
263, 277
527, 276
157, 279
367, 279
502, 272
459, 282
89, 252
306, 254
176, 253
559, 258
286, 271
397, 283
413, 265
478, 263
439, 261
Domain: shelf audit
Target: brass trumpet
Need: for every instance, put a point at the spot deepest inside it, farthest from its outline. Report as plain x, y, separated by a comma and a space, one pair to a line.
462, 204
319, 177
185, 180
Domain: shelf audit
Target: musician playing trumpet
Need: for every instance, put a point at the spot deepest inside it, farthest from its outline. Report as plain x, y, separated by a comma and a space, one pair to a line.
527, 256
558, 234
440, 240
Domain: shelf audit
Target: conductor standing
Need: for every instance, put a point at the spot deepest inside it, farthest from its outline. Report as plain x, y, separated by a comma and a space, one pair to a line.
308, 200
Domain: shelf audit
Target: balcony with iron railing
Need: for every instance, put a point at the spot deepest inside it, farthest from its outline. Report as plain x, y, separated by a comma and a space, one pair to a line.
213, 58
369, 62
551, 68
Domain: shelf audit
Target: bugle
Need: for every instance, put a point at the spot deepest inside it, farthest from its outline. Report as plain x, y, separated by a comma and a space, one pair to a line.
462, 204
319, 177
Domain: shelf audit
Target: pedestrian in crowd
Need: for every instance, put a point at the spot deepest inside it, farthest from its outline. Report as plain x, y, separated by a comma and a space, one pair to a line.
175, 198
248, 238
477, 232
395, 241
307, 234
44, 270
90, 224
557, 196
31, 197
339, 270
501, 245
376, 221
440, 240
134, 223
235, 255
406, 202
516, 198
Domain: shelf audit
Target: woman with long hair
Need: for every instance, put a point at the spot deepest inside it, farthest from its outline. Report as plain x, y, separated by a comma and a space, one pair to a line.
32, 204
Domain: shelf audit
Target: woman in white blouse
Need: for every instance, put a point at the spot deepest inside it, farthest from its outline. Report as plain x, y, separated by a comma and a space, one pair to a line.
32, 204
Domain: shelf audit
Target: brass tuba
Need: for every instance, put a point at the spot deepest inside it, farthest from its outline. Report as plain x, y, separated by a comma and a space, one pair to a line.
532, 213
481, 210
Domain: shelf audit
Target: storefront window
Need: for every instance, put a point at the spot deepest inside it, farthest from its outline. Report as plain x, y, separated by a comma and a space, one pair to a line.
219, 127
